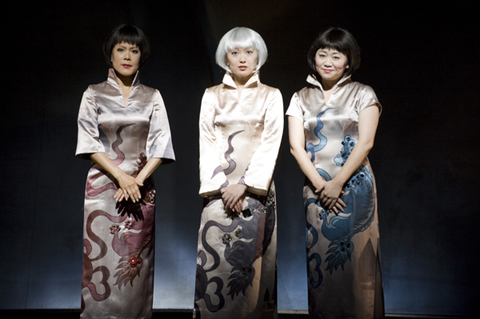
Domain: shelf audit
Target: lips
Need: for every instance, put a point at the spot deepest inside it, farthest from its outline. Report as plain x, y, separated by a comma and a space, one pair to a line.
327, 71
126, 66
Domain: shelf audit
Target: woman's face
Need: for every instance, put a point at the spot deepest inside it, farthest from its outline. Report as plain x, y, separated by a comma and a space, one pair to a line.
126, 59
242, 61
330, 64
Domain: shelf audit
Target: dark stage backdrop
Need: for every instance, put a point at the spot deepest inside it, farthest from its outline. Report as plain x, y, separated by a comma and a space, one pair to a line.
421, 60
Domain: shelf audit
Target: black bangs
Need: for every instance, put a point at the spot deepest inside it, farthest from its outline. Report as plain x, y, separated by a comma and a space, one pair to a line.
334, 40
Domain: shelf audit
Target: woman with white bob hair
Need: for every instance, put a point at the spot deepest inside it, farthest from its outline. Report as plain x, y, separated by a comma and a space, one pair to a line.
241, 126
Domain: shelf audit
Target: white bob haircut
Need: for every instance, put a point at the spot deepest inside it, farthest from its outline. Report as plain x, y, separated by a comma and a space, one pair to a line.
240, 37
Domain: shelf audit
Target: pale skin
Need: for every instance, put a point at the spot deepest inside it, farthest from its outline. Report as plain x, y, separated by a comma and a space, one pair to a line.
331, 65
125, 61
242, 63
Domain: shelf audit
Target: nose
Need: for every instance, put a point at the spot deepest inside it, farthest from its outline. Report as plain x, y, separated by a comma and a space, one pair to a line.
127, 55
328, 61
242, 58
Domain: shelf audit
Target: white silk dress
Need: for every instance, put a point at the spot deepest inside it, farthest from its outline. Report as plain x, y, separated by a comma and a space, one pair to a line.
119, 238
344, 276
239, 143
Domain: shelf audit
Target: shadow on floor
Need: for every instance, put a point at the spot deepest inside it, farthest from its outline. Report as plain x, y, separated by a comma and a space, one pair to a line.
175, 314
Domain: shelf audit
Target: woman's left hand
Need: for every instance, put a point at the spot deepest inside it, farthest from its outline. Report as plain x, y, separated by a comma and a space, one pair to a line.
233, 196
330, 195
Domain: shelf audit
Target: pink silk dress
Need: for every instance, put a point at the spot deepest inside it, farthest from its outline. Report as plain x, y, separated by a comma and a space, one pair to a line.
119, 238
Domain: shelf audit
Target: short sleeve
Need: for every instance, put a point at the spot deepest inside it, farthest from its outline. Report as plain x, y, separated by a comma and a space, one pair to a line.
159, 141
88, 139
368, 98
294, 109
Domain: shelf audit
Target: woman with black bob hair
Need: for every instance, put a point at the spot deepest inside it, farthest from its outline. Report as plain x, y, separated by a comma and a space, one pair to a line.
332, 125
123, 129
241, 127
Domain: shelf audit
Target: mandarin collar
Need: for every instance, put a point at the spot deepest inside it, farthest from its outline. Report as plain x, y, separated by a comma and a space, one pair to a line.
228, 79
344, 80
112, 78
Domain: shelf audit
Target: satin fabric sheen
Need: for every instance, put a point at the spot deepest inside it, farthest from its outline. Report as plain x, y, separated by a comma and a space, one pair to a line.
239, 143
344, 276
119, 239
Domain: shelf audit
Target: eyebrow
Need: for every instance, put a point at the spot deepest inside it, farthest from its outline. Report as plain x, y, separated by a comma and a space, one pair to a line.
333, 52
124, 47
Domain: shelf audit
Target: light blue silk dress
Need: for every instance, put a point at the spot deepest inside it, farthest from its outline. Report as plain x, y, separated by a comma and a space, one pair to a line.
344, 276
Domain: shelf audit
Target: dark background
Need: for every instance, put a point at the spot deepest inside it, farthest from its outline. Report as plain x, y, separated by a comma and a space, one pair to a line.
422, 61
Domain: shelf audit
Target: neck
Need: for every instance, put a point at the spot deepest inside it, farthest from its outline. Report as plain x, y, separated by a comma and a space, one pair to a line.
241, 81
124, 81
328, 85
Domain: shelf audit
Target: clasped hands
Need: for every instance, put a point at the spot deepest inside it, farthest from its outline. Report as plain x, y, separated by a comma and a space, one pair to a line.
129, 187
233, 196
329, 196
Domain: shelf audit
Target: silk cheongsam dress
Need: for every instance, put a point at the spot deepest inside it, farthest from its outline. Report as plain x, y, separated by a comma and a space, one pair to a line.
118, 238
344, 277
239, 143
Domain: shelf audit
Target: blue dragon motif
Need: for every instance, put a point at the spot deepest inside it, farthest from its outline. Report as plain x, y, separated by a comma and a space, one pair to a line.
359, 197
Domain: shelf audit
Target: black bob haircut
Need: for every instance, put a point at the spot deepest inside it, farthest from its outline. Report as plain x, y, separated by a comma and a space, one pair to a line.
128, 34
340, 40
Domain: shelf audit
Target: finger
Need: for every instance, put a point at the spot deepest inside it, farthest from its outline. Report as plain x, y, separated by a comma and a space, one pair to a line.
341, 202
134, 193
339, 206
329, 203
226, 203
239, 206
138, 196
119, 195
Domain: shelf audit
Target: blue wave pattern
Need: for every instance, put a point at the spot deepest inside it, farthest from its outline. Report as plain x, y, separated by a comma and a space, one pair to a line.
312, 149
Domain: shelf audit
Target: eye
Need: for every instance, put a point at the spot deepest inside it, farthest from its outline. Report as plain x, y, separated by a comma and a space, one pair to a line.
136, 51
119, 50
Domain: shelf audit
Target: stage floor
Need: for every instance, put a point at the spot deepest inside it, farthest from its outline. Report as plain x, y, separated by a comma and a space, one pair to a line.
181, 314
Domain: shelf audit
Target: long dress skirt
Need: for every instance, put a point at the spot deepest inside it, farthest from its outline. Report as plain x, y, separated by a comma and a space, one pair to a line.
118, 250
343, 256
236, 261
